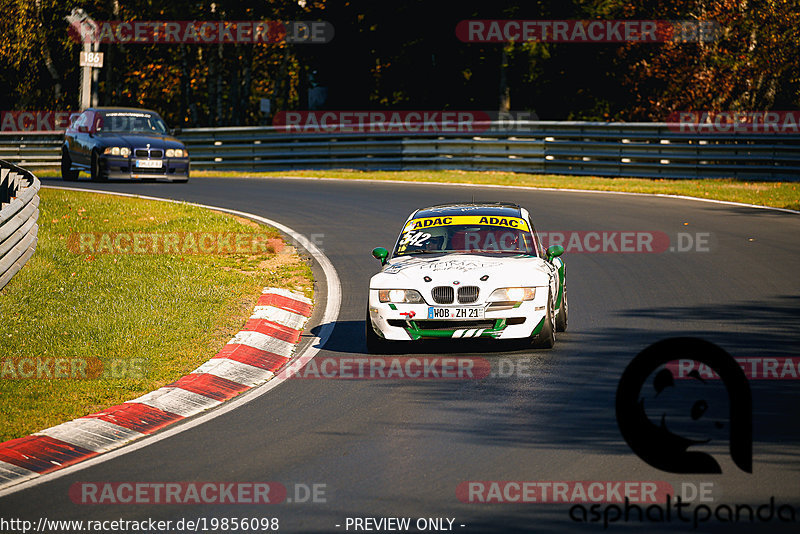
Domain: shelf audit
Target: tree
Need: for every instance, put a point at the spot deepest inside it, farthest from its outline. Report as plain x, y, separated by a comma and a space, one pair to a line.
751, 66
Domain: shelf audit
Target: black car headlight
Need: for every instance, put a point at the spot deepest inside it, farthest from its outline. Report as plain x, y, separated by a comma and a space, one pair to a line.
118, 151
401, 296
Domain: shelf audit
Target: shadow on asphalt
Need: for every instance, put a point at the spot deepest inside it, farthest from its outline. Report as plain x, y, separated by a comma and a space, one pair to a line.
565, 397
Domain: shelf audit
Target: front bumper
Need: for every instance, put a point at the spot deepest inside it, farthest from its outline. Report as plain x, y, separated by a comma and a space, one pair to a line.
119, 168
408, 322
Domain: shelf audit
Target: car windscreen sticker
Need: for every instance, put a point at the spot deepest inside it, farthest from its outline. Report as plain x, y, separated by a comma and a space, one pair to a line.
127, 114
456, 220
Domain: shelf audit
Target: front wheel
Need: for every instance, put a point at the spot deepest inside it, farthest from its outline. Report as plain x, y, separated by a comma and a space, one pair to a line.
67, 173
561, 317
97, 176
546, 337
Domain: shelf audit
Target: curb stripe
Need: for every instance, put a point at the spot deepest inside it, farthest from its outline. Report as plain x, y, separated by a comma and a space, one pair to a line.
178, 401
42, 454
253, 356
95, 435
232, 370
209, 385
268, 328
289, 294
139, 417
10, 472
280, 316
285, 303
260, 341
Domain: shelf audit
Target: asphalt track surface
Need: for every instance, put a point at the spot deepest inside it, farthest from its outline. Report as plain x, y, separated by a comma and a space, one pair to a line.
400, 448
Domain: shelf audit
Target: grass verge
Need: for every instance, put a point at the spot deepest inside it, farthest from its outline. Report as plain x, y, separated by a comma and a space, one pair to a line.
125, 323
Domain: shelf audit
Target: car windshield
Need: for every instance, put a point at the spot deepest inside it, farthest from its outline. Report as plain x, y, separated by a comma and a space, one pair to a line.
490, 234
130, 122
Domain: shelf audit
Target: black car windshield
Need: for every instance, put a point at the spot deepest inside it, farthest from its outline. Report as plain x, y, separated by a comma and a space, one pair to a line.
472, 233
130, 122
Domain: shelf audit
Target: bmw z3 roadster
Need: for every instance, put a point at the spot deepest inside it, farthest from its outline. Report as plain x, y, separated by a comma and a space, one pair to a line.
475, 270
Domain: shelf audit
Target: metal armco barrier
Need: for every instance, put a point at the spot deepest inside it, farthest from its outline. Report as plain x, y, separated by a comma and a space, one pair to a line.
31, 150
578, 148
19, 211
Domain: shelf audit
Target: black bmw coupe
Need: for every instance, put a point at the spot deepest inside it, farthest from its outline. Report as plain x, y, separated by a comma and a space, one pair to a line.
123, 143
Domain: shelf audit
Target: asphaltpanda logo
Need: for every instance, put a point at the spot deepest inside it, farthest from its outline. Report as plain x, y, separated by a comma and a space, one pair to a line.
665, 419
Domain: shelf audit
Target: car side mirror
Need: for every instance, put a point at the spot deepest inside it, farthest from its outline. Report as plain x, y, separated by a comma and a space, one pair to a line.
380, 253
175, 132
554, 251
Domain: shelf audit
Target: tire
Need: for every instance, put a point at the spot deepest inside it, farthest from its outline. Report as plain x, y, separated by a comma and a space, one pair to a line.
67, 174
546, 338
562, 315
95, 169
375, 343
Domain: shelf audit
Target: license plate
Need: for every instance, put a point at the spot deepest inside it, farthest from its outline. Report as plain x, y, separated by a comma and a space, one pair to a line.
149, 163
455, 313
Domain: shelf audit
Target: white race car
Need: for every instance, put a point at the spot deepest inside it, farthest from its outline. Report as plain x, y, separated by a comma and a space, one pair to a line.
474, 270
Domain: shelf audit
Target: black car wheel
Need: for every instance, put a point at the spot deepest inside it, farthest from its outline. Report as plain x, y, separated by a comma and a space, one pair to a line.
97, 176
66, 167
546, 337
561, 317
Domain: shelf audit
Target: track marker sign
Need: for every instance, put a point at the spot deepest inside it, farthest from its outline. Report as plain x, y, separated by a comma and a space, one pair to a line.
92, 59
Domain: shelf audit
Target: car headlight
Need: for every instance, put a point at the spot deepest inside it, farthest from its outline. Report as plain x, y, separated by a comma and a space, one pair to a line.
118, 151
407, 296
512, 294
176, 153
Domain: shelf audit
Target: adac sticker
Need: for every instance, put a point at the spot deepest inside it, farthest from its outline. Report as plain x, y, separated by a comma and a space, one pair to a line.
454, 220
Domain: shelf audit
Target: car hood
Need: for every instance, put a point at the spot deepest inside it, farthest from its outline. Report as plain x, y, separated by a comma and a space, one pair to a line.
137, 140
410, 272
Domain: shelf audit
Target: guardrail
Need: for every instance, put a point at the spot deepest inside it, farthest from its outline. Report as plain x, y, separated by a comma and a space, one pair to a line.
19, 211
31, 149
577, 148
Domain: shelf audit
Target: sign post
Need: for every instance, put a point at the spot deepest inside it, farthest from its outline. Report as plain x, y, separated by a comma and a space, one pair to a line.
90, 57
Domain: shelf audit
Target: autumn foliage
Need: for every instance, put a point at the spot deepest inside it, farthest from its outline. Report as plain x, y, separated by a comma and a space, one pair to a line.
405, 55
